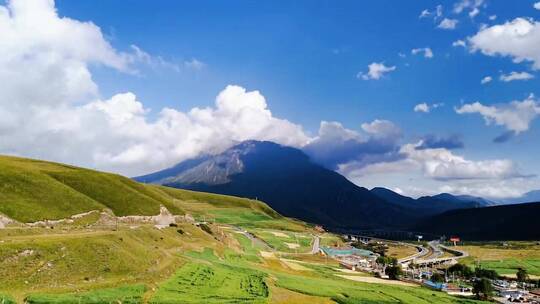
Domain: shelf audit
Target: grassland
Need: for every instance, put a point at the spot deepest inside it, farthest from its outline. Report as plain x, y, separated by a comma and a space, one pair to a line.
32, 190
399, 251
505, 258
218, 262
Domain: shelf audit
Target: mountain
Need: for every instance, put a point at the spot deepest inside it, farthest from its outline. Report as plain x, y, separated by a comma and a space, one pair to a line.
507, 222
287, 180
531, 196
431, 205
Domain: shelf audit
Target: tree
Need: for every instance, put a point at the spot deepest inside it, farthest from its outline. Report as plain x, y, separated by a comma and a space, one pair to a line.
483, 289
461, 270
437, 278
384, 261
485, 273
394, 272
522, 275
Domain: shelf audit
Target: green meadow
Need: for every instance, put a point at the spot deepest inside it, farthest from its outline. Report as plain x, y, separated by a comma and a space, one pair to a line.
86, 262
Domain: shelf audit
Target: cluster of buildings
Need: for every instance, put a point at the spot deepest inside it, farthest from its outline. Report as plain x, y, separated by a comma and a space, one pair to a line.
352, 258
509, 292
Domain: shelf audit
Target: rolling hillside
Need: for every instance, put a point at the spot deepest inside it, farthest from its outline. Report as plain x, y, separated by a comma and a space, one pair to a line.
33, 190
235, 251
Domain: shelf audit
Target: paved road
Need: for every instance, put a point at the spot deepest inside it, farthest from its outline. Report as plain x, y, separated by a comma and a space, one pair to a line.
316, 243
438, 252
423, 252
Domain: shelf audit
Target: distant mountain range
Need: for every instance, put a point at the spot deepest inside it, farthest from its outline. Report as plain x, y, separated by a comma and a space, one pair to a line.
507, 222
529, 197
291, 183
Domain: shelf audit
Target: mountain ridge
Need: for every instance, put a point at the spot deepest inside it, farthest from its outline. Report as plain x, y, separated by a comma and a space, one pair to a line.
290, 182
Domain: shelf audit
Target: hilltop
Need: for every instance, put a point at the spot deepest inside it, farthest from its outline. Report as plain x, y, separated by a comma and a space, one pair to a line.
34, 190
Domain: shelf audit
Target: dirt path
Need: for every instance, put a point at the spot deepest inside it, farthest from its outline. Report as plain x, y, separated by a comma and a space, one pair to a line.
376, 280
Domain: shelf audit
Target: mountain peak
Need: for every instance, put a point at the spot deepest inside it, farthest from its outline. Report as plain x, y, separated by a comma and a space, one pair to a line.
286, 179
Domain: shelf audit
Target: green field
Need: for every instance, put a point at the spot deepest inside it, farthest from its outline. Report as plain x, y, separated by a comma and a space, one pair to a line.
200, 283
126, 294
215, 262
505, 258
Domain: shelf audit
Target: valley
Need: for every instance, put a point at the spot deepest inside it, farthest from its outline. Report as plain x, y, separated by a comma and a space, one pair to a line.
112, 239
214, 249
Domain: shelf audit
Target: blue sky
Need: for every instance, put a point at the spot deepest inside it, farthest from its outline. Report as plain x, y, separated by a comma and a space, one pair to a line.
307, 59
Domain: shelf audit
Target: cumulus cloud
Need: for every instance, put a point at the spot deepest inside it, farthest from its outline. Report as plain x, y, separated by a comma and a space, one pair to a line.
486, 79
516, 76
442, 164
376, 70
492, 17
537, 5
422, 107
437, 169
518, 39
335, 144
460, 43
51, 108
426, 108
515, 116
448, 24
431, 141
428, 53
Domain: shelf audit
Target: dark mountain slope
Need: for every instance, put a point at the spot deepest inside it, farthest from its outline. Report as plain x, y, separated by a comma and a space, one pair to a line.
290, 183
508, 222
431, 205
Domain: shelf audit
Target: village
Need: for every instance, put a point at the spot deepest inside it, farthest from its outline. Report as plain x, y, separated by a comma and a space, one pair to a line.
435, 266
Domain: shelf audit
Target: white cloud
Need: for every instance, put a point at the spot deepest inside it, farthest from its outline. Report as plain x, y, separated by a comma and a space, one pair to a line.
153, 61
428, 53
537, 5
424, 14
376, 70
459, 43
516, 76
475, 11
431, 171
515, 116
442, 164
381, 128
518, 39
50, 106
471, 5
426, 108
422, 107
335, 144
486, 79
448, 24
492, 17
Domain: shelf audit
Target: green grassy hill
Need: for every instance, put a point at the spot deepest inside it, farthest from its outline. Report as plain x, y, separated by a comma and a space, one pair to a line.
216, 262
32, 190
